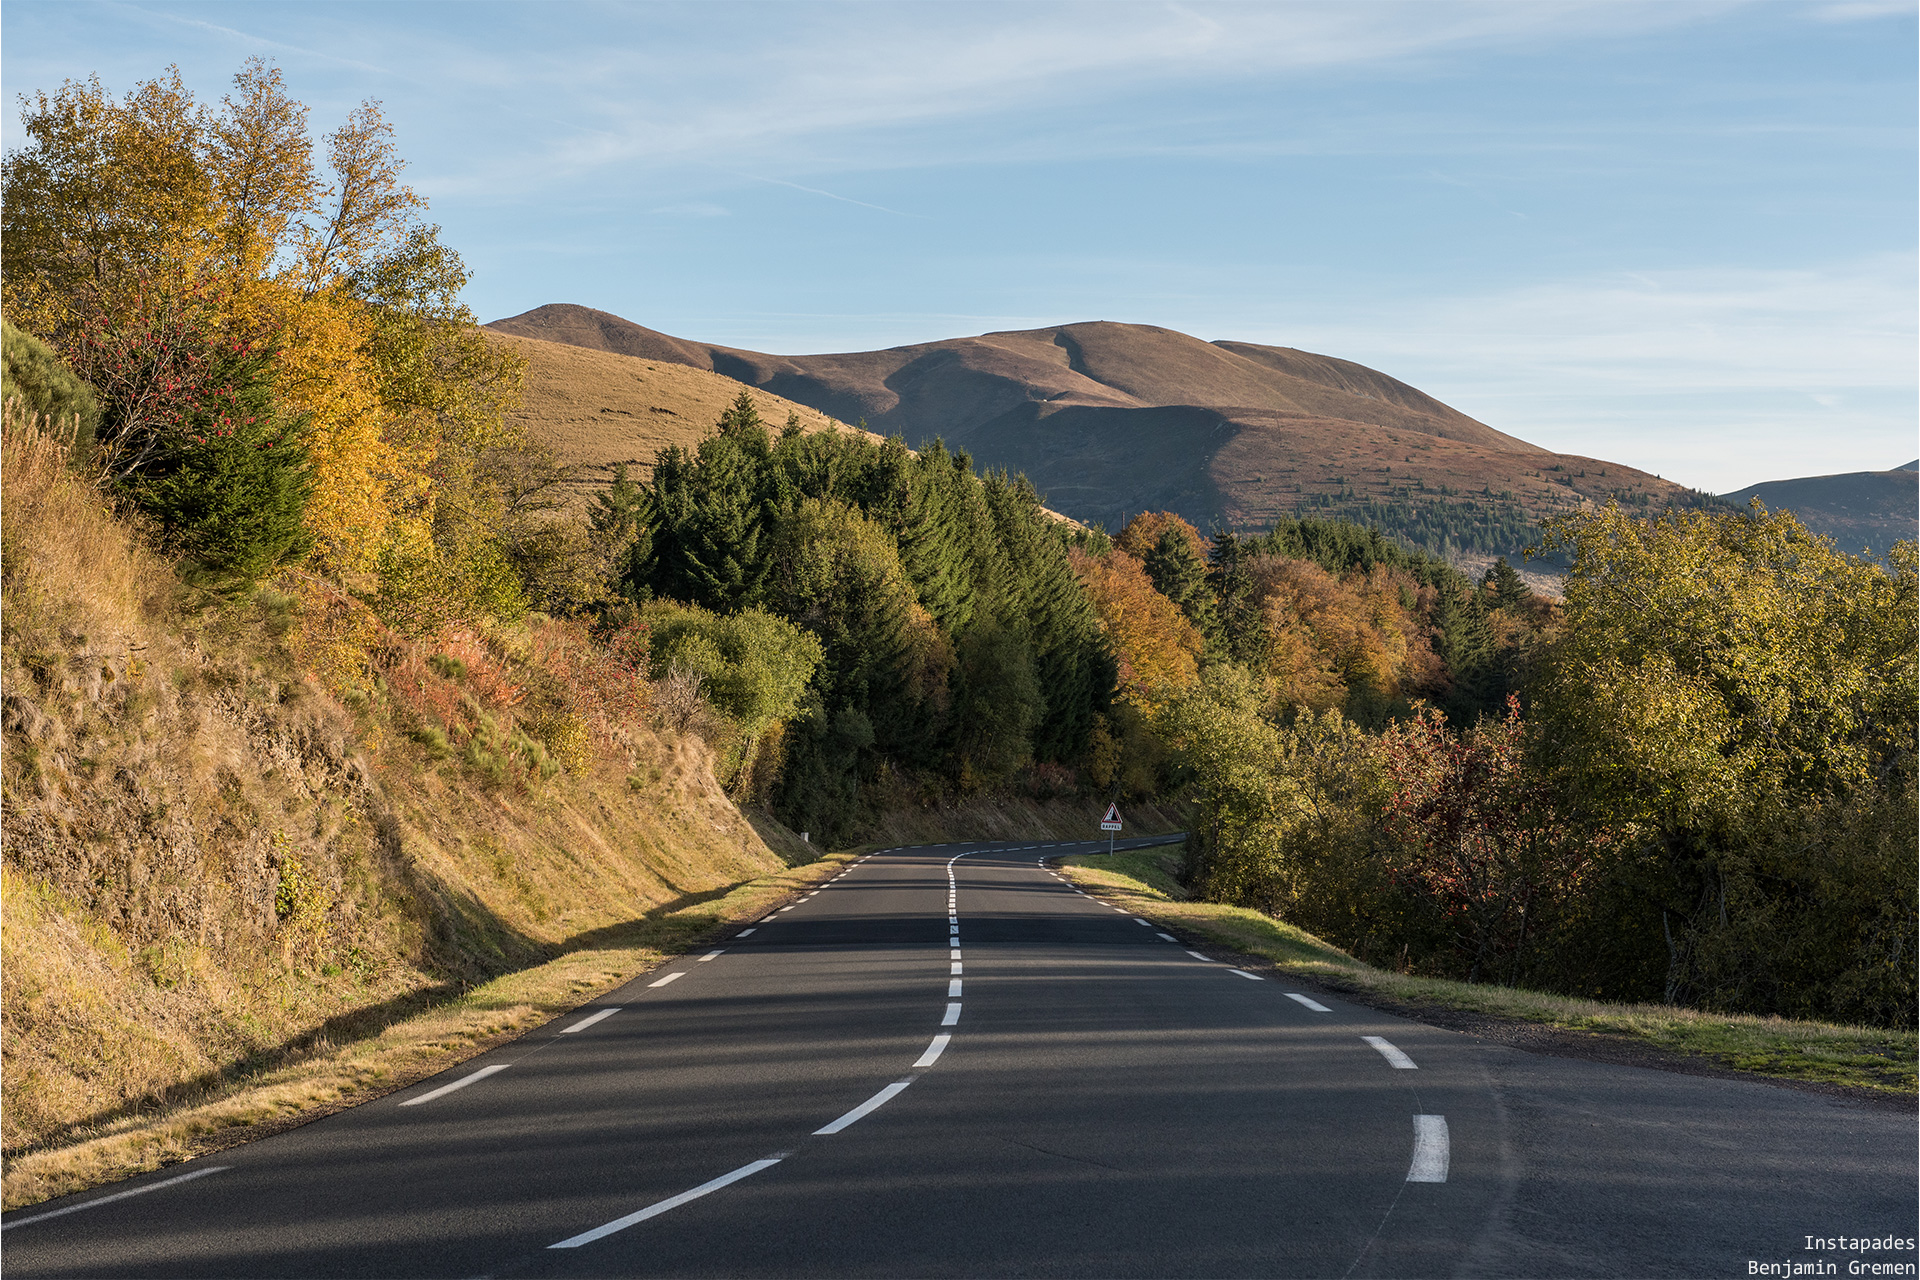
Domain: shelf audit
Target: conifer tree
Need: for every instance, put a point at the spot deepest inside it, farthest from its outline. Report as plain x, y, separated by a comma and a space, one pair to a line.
711, 517
1508, 587
1041, 600
1465, 642
1181, 576
1243, 628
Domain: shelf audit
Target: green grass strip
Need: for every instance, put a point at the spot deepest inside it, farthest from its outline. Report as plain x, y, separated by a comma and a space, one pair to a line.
1142, 881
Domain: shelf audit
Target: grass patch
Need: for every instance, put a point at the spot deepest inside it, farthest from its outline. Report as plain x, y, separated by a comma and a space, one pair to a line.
339, 1076
1143, 882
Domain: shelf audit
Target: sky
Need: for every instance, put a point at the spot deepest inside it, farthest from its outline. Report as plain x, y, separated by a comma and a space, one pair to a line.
1679, 235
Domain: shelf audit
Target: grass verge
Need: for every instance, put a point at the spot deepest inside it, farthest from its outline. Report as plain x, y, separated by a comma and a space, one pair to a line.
1868, 1058
334, 1077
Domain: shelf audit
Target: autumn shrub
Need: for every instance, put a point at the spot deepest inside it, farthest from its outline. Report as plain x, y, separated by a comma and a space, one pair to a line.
1475, 833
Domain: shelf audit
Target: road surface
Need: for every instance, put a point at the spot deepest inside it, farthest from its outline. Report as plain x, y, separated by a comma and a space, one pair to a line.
947, 1061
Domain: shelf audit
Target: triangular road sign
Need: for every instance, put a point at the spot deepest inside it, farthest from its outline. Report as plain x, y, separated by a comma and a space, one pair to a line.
1113, 813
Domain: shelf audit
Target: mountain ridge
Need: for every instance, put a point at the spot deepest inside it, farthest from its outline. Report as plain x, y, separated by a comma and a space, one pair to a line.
1868, 510
1110, 419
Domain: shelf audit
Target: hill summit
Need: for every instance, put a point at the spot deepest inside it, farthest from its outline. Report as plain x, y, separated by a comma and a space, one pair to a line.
1112, 419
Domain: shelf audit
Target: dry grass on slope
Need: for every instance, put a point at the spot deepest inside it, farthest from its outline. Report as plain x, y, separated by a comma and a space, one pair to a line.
218, 866
598, 409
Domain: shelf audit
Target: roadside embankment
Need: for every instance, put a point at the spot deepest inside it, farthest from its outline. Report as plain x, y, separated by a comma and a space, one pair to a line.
331, 1076
250, 842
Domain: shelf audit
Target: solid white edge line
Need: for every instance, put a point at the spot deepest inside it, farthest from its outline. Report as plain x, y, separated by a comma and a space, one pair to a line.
1308, 1001
671, 1202
669, 978
1243, 973
710, 955
589, 1020
1432, 1151
118, 1195
866, 1108
934, 1050
953, 1016
461, 1083
1400, 1061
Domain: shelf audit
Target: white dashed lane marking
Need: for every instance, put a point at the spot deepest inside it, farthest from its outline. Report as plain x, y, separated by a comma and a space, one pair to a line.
1308, 1001
1399, 1060
461, 1083
1243, 973
934, 1050
590, 1019
672, 977
866, 1108
1431, 1150
671, 1202
118, 1195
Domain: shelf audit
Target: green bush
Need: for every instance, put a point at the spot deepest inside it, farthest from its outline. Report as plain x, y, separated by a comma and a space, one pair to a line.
752, 667
228, 491
34, 374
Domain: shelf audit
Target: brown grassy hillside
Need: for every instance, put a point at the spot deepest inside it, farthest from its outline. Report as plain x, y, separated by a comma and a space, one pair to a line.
1112, 419
216, 862
599, 408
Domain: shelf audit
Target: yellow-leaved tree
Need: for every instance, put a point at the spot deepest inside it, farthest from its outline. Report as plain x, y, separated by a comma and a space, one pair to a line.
131, 221
1736, 699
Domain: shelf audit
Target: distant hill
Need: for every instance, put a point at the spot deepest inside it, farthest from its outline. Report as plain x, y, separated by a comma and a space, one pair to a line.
1857, 509
598, 409
1112, 419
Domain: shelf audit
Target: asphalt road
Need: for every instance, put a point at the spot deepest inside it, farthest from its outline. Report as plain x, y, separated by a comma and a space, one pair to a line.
948, 1061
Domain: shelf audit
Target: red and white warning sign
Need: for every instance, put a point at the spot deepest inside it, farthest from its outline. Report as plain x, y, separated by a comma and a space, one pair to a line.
1112, 821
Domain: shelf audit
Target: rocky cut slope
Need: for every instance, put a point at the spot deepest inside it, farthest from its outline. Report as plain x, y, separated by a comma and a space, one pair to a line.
1112, 419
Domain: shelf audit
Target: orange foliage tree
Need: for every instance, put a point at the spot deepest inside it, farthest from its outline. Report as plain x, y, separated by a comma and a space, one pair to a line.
1157, 649
1357, 641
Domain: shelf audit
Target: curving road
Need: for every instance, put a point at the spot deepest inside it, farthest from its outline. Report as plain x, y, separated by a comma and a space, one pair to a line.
948, 1061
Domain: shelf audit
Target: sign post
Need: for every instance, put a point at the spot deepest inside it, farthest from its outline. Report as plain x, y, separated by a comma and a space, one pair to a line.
1111, 824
